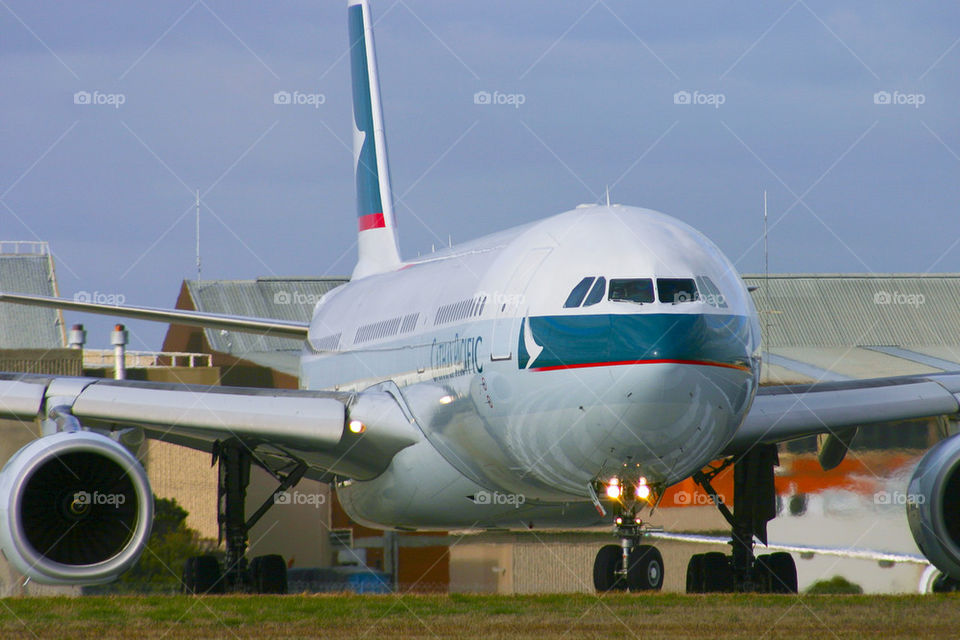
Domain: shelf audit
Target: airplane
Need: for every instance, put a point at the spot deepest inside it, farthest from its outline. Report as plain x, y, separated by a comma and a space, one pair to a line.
562, 373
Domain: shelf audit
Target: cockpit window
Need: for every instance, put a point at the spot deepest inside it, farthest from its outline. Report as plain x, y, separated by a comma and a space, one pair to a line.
709, 292
596, 294
676, 290
631, 290
579, 291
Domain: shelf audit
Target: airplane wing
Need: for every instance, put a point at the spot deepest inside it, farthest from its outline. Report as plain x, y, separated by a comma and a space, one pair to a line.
350, 435
263, 326
793, 411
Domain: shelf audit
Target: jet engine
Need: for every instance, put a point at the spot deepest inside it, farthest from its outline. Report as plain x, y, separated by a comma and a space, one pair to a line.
933, 506
75, 508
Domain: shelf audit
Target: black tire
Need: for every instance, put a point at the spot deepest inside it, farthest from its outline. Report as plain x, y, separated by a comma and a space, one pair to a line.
944, 584
269, 574
608, 561
779, 571
201, 574
646, 568
717, 574
695, 574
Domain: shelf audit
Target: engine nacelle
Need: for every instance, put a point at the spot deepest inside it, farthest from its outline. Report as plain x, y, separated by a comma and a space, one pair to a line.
933, 506
75, 508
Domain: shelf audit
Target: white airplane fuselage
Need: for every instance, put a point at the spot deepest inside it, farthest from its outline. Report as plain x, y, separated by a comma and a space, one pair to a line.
524, 401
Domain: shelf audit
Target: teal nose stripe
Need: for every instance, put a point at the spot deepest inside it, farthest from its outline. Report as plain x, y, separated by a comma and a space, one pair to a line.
569, 342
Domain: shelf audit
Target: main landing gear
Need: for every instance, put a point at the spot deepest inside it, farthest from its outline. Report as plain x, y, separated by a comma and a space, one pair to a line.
629, 565
754, 505
264, 574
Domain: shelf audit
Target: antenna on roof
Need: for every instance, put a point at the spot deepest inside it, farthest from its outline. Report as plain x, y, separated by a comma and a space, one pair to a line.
766, 288
198, 234
608, 195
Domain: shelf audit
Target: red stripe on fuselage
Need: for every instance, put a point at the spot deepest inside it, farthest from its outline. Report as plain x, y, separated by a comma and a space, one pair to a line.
623, 362
371, 221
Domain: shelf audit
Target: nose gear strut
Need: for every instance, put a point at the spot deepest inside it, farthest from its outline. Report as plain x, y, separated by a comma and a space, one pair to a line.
629, 565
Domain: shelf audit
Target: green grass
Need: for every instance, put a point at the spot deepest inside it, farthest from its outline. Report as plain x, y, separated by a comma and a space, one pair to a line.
468, 616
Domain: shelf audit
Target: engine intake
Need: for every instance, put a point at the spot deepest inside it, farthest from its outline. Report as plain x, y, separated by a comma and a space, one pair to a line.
933, 506
75, 508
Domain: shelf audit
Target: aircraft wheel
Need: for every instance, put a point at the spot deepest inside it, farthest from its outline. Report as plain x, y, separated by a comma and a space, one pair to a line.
646, 568
608, 561
269, 574
201, 574
944, 584
695, 574
780, 571
717, 574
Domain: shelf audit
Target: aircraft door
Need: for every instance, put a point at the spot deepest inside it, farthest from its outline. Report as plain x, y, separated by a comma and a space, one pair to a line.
510, 305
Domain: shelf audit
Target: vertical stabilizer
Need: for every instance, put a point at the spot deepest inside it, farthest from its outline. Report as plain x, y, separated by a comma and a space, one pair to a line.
377, 241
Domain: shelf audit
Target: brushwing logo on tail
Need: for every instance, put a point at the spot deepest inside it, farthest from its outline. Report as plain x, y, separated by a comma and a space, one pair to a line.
369, 204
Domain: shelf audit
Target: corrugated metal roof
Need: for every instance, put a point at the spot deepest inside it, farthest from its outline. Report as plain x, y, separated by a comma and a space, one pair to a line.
279, 298
23, 327
833, 310
828, 321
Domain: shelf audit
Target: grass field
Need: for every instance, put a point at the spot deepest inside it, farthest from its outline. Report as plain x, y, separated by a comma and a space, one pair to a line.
470, 616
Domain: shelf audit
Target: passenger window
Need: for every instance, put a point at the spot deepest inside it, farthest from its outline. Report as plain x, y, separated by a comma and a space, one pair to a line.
596, 294
676, 290
579, 291
631, 290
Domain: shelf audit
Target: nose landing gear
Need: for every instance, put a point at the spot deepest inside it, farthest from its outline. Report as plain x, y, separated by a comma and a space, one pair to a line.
629, 565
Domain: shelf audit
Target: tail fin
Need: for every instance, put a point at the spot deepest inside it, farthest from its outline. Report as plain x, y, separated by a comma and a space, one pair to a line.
377, 242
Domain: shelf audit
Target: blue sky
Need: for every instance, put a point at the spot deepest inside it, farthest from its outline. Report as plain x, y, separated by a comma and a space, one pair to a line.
854, 185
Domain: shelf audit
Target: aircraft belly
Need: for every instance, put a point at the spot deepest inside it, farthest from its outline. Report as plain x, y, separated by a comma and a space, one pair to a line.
423, 491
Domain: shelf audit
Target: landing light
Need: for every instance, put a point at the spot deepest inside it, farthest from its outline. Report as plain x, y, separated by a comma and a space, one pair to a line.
643, 491
356, 426
613, 489
446, 399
